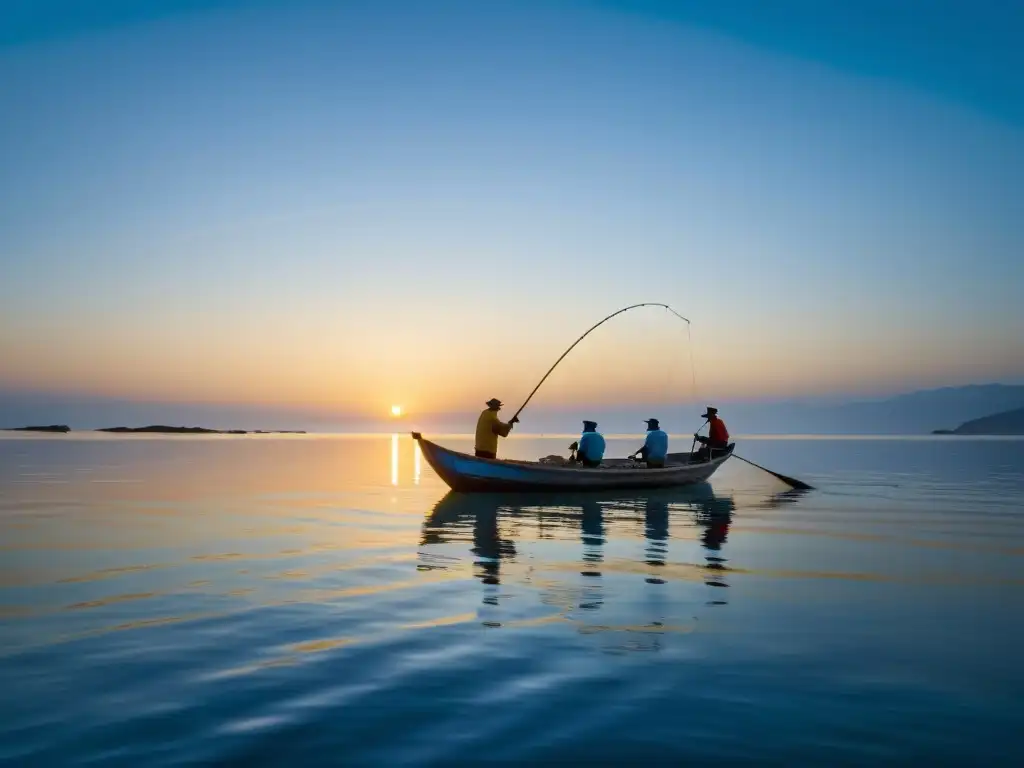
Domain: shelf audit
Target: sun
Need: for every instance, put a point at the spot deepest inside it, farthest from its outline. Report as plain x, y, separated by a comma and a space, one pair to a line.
396, 410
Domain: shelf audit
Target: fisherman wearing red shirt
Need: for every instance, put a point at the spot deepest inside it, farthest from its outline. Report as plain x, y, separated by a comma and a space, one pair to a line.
718, 435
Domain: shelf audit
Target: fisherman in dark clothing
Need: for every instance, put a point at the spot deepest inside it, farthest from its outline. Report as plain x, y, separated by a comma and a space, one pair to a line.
717, 439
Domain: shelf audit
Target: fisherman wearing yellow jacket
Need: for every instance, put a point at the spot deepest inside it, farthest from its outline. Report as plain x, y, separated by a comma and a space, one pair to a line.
489, 427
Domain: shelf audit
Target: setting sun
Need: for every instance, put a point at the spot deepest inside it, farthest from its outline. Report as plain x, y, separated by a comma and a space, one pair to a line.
396, 410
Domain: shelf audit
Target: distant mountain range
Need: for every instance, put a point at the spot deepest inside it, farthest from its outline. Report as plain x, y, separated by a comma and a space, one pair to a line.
1005, 423
910, 414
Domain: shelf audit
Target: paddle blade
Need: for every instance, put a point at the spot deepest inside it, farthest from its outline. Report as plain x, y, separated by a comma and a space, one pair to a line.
800, 485
790, 481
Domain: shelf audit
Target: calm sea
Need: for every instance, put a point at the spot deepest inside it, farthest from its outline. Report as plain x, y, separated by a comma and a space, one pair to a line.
318, 600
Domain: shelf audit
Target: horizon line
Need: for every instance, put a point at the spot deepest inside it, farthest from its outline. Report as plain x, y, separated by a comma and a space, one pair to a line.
21, 434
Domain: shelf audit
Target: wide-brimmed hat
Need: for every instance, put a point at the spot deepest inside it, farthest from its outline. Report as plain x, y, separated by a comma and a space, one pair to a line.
711, 411
494, 403
589, 424
652, 423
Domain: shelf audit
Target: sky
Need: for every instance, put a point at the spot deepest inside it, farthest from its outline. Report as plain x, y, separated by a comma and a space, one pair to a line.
329, 208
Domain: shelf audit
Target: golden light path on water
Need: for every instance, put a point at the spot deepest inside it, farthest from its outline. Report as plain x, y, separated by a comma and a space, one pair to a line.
415, 462
394, 459
417, 458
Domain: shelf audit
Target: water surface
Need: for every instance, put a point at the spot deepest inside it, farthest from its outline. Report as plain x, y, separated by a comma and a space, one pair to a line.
323, 600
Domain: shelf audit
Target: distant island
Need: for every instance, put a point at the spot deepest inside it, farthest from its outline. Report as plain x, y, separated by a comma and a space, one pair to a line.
160, 429
165, 430
1003, 423
51, 428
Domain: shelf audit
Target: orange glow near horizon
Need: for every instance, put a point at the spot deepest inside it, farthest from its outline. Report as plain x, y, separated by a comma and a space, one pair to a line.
435, 365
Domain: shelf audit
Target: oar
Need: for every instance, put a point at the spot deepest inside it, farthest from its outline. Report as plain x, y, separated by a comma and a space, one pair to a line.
792, 481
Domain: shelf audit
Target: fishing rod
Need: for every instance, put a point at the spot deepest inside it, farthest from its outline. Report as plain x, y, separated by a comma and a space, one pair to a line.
581, 338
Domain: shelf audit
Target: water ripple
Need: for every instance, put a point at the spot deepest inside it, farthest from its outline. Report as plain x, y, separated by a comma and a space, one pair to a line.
281, 602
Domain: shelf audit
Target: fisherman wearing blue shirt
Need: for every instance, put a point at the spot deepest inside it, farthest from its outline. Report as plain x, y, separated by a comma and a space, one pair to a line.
590, 446
655, 448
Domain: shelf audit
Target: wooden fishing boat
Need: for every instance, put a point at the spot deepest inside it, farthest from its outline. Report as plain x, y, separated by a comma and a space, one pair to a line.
470, 474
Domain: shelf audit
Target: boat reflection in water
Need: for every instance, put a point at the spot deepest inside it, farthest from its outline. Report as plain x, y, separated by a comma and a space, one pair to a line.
524, 543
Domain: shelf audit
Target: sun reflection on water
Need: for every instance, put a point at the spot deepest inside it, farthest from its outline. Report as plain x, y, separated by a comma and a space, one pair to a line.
394, 459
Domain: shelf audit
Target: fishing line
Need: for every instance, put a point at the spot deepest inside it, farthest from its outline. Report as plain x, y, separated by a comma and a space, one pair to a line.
669, 400
693, 368
666, 394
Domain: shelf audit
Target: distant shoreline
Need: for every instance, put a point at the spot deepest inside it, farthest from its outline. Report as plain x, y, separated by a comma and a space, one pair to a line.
59, 428
683, 437
159, 429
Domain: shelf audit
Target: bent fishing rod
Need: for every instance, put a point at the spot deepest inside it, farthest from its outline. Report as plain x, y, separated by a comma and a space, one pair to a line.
587, 333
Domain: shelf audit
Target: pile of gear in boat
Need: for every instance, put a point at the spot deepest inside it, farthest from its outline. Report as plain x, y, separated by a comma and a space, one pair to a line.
588, 451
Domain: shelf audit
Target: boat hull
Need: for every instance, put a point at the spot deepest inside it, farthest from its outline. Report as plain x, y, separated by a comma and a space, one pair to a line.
471, 474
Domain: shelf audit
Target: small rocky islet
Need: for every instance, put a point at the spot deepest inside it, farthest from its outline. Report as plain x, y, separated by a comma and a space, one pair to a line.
1003, 423
50, 428
161, 429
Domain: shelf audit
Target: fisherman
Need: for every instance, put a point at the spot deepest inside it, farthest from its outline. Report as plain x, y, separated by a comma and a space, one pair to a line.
655, 448
590, 447
718, 435
489, 427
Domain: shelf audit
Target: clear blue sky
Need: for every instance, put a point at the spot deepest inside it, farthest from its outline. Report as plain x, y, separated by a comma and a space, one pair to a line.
344, 205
